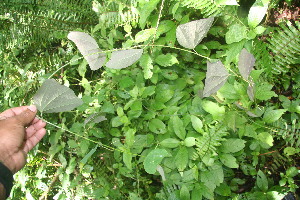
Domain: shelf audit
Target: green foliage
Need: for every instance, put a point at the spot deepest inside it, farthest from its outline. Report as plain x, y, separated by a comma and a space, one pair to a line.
284, 44
185, 107
40, 22
207, 7
114, 13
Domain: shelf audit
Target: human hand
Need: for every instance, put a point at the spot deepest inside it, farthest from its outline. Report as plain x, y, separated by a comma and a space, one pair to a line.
20, 131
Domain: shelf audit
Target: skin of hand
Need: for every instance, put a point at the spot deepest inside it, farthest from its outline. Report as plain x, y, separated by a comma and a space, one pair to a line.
20, 131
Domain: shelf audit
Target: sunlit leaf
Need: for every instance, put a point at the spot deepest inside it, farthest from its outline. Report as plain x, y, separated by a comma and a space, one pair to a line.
54, 97
181, 158
271, 115
153, 159
144, 35
236, 33
178, 127
189, 141
184, 193
216, 77
233, 145
214, 109
124, 58
189, 35
263, 91
226, 2
246, 63
197, 124
257, 12
157, 126
89, 48
127, 159
170, 143
266, 138
229, 160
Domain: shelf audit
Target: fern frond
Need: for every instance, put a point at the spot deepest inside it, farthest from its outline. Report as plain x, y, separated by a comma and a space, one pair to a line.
29, 19
209, 141
208, 8
285, 46
289, 132
263, 58
116, 12
277, 162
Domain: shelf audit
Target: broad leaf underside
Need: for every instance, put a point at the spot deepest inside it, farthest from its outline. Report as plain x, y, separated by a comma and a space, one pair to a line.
53, 97
216, 77
89, 48
189, 35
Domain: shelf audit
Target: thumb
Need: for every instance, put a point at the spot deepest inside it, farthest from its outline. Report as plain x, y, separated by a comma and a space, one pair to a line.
27, 116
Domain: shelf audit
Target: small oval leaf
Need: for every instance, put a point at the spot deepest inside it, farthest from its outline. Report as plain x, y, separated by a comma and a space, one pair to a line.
124, 58
170, 143
197, 124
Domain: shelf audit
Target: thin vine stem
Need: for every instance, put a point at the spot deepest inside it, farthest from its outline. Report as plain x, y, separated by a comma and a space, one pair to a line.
133, 47
158, 20
88, 139
177, 48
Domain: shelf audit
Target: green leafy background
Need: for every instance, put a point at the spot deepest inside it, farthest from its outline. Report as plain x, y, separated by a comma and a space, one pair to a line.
146, 131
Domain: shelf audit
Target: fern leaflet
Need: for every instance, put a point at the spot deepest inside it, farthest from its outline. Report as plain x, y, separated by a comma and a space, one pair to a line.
210, 140
285, 46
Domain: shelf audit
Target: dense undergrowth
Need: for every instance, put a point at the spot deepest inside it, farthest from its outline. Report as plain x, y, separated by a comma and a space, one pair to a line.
147, 131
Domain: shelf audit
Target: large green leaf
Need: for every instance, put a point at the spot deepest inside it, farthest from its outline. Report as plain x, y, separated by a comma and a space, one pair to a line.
89, 48
197, 124
263, 91
146, 11
262, 181
189, 35
127, 158
146, 63
157, 126
53, 97
184, 193
236, 33
266, 138
216, 77
153, 159
178, 127
144, 35
124, 58
213, 176
166, 60
214, 109
170, 143
271, 115
182, 158
233, 145
229, 160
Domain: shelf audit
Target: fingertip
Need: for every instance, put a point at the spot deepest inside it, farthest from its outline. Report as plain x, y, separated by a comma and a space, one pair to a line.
44, 124
32, 108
